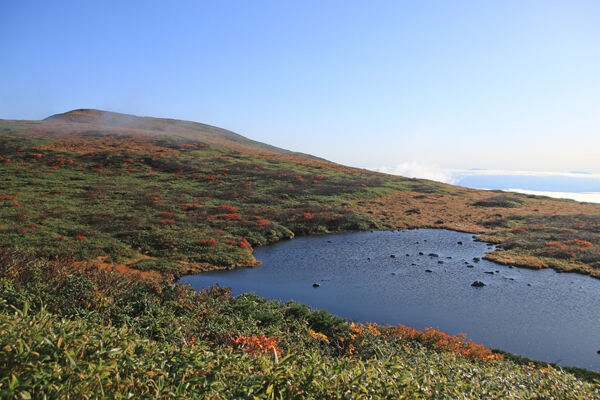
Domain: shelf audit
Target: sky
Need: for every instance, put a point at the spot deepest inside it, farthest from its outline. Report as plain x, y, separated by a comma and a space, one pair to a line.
401, 85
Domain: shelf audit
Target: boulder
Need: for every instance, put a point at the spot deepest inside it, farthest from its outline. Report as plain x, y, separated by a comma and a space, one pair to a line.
316, 285
477, 284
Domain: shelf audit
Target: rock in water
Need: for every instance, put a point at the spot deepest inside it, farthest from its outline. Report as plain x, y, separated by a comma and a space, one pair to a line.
477, 284
316, 285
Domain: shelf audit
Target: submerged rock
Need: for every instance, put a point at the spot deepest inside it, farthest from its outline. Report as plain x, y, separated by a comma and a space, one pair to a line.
316, 284
428, 270
393, 256
477, 284
476, 259
489, 272
433, 255
459, 242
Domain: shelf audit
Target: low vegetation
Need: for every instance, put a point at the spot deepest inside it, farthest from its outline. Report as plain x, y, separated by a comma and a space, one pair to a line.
567, 243
504, 201
81, 332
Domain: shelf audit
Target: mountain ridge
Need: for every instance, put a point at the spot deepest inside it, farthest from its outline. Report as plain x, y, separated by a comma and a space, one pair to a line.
191, 129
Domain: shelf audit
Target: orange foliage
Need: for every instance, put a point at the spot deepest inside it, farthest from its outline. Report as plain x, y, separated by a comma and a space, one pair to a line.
256, 344
432, 338
580, 243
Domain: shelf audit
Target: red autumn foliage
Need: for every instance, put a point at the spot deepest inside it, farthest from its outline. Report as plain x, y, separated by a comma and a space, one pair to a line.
244, 243
225, 216
308, 216
262, 222
59, 239
190, 206
80, 237
226, 208
166, 221
207, 242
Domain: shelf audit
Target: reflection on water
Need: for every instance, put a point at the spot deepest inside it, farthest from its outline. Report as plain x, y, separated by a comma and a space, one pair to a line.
391, 278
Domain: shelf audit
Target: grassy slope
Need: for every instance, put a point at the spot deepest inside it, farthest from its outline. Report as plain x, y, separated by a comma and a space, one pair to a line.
69, 332
155, 197
145, 193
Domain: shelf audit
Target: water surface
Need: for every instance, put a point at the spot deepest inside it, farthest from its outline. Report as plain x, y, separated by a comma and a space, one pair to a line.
380, 277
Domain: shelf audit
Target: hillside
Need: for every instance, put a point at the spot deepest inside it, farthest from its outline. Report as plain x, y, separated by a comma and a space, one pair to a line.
176, 196
100, 211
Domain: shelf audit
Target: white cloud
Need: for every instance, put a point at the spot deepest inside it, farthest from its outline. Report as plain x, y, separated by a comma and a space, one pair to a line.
413, 169
590, 197
499, 172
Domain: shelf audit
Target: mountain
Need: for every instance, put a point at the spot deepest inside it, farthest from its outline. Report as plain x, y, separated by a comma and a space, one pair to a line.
162, 170
101, 212
87, 121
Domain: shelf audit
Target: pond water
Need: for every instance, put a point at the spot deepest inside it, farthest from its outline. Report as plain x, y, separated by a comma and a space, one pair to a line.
382, 277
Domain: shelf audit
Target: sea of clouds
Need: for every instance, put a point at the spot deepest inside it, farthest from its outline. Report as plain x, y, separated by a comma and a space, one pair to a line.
580, 186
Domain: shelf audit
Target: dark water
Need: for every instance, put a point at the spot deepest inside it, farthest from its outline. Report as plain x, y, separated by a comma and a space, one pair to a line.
555, 319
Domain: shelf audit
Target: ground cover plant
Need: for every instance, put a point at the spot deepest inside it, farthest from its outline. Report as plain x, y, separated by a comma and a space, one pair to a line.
178, 197
567, 243
85, 332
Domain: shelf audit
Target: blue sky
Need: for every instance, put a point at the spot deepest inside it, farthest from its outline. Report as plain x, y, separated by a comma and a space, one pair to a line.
452, 85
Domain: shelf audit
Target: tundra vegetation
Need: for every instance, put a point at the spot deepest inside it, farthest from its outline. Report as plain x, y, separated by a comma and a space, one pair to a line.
101, 211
